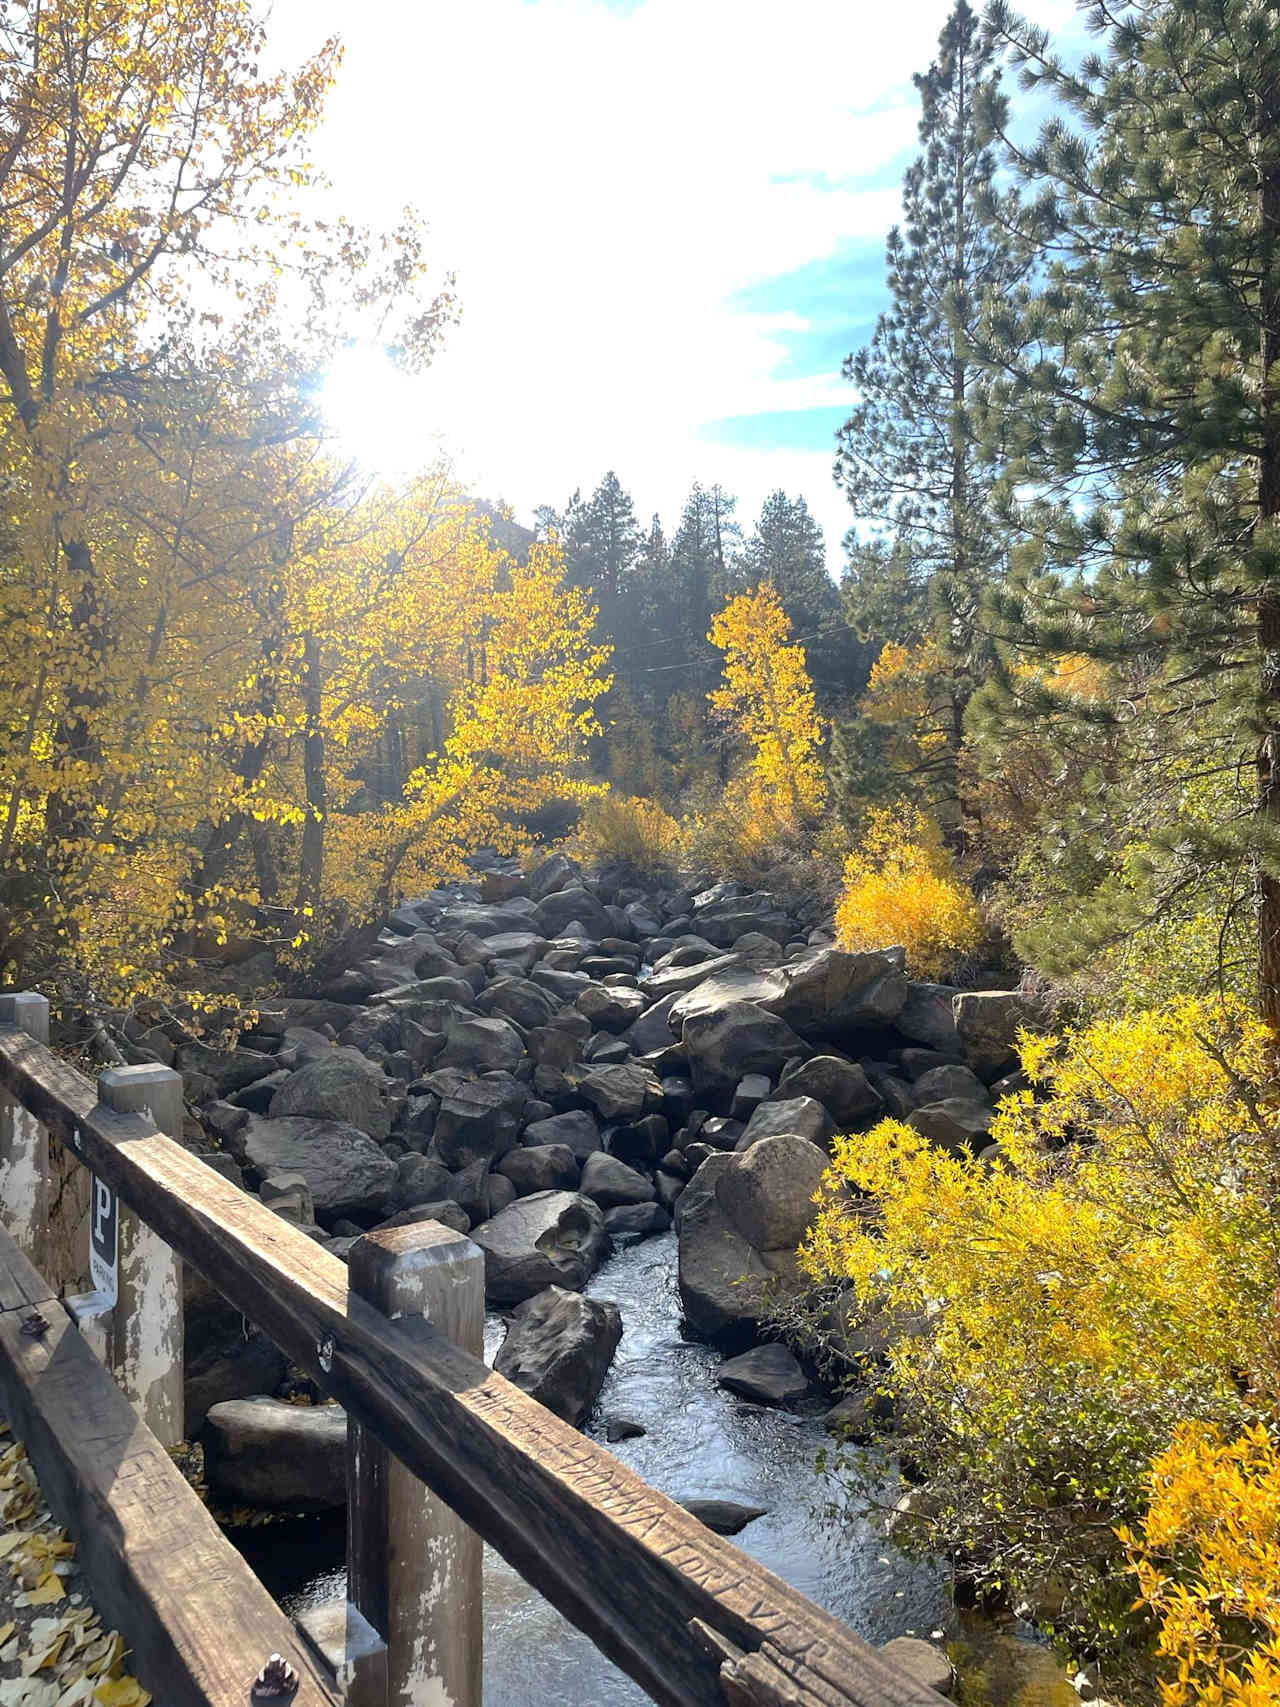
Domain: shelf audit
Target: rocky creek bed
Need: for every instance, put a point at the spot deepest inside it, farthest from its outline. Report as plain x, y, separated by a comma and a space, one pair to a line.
563, 1065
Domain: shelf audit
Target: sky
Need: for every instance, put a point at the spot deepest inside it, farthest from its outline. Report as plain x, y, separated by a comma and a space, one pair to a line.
666, 219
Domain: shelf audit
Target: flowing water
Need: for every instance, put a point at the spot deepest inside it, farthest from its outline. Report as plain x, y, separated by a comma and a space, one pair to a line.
701, 1442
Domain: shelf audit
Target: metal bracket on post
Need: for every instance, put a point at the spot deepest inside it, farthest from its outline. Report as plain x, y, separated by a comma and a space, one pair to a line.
413, 1565
133, 1318
24, 1143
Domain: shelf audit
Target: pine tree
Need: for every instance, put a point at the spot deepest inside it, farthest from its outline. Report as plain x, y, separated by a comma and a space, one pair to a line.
1146, 428
786, 549
906, 457
701, 571
600, 541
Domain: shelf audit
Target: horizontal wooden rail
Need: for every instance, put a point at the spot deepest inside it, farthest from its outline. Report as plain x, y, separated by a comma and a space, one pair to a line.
682, 1611
198, 1622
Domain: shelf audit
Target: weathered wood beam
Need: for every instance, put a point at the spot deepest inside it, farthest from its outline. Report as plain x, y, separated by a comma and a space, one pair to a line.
627, 1565
198, 1622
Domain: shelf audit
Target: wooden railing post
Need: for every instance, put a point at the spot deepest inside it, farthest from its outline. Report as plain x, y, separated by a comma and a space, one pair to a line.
24, 1143
144, 1338
413, 1566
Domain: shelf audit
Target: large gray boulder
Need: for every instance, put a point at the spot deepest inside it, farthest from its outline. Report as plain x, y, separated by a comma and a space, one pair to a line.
988, 1022
482, 1046
927, 1017
955, 1123
518, 914
621, 1092
726, 1284
724, 989
842, 1087
345, 1170
338, 1086
541, 1167
479, 1119
651, 1032
564, 906
739, 1038
518, 999
552, 1238
767, 1191
951, 1080
609, 1182
262, 1452
769, 1374
834, 992
419, 1179
558, 1349
611, 1007
576, 1128
799, 1115
684, 969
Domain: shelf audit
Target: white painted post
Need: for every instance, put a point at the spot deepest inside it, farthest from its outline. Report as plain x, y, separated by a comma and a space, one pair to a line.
413, 1566
24, 1143
144, 1340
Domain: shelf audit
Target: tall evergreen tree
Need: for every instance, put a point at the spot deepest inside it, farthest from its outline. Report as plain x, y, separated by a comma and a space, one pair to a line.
786, 549
906, 457
703, 557
1146, 429
601, 540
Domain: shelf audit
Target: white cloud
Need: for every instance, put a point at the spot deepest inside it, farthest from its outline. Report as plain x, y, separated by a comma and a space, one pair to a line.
603, 183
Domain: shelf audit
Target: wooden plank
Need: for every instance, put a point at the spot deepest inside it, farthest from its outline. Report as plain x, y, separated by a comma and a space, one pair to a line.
627, 1565
21, 1286
198, 1622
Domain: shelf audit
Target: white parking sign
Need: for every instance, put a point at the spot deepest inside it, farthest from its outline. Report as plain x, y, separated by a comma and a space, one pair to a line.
104, 1230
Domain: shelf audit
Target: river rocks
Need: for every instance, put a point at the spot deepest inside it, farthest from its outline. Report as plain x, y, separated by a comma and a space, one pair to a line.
482, 1045
952, 1080
576, 1129
340, 1086
842, 1087
565, 907
611, 1007
726, 1283
831, 992
768, 1374
541, 1167
558, 1350
518, 999
623, 1092
767, 1191
925, 1664
735, 1039
552, 1238
955, 1123
419, 1179
479, 1120
631, 1221
346, 1171
726, 1517
609, 1182
800, 1115
262, 1452
988, 1022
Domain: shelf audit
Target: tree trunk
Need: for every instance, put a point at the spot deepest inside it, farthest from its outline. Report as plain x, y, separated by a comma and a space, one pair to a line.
1269, 510
311, 865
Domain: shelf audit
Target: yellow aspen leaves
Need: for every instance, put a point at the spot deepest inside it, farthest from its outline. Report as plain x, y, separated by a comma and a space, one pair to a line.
768, 698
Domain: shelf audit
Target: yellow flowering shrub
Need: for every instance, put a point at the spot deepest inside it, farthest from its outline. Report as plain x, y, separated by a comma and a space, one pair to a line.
631, 831
1207, 1559
901, 886
1046, 1323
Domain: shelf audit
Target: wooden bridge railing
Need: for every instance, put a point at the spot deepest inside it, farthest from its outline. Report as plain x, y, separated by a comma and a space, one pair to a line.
690, 1617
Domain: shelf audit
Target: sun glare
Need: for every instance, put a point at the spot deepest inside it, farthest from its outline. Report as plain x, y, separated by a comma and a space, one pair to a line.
381, 416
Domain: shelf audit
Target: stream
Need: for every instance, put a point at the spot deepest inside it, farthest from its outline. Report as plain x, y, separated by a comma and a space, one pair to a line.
701, 1442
